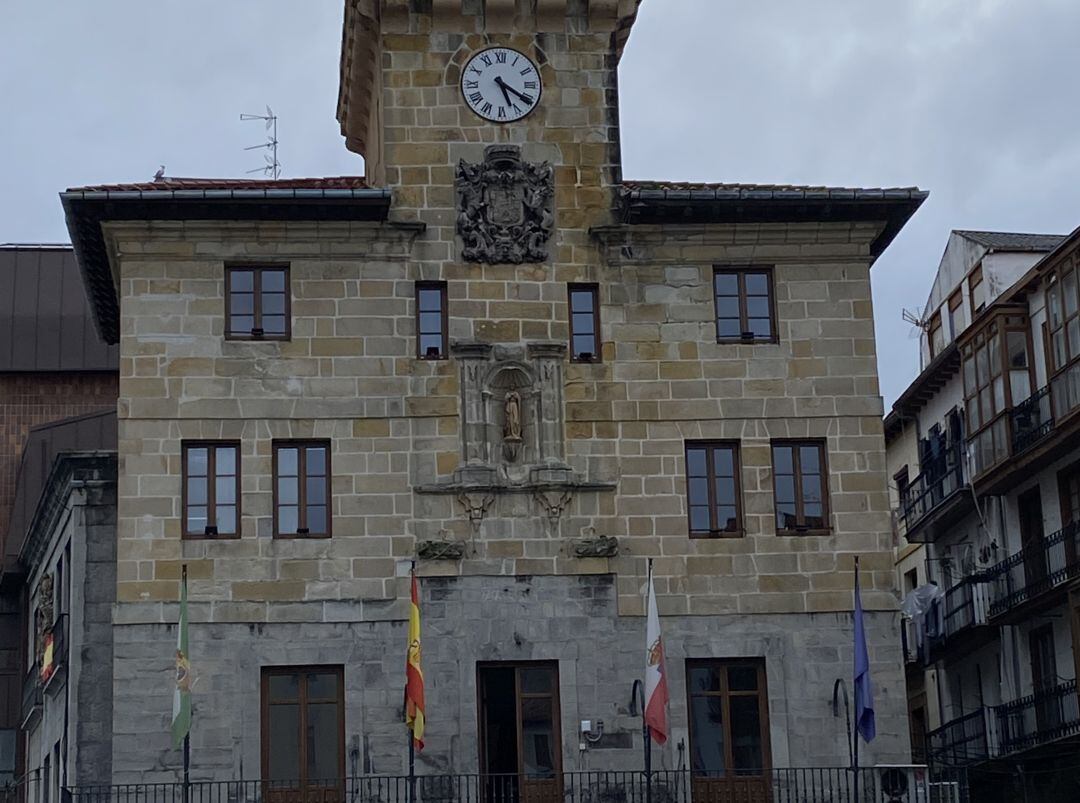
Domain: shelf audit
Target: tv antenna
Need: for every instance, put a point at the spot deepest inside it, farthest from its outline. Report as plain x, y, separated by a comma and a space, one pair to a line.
272, 168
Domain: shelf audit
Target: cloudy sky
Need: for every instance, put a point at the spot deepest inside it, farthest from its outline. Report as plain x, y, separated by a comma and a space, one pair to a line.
974, 100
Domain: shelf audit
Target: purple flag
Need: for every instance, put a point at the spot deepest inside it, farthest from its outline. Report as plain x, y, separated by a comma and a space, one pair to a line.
864, 691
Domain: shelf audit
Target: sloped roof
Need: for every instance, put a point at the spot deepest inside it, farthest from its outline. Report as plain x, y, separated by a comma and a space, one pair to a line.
45, 319
169, 184
771, 191
1013, 241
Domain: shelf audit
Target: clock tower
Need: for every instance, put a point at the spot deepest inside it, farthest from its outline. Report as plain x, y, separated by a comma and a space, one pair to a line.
427, 85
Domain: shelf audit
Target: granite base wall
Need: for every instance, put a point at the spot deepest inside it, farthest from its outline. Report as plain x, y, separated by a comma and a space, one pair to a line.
569, 619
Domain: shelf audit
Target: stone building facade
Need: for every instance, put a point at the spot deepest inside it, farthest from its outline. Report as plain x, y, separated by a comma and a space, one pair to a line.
432, 376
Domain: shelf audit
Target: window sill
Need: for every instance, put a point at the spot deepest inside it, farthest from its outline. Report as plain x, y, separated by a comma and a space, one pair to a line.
204, 537
263, 339
717, 535
426, 358
589, 361
301, 536
754, 341
801, 533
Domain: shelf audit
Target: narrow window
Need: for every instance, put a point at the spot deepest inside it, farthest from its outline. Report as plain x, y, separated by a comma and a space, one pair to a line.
257, 303
211, 489
712, 489
956, 323
801, 487
976, 291
937, 335
584, 322
744, 305
431, 321
303, 732
302, 489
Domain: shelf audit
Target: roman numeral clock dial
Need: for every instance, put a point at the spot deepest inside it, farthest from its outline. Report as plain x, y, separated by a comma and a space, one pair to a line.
501, 85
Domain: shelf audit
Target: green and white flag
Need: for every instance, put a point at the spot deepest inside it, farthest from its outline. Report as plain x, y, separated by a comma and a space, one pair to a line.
181, 716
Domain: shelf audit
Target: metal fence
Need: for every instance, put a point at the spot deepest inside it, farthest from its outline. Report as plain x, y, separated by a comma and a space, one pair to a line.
813, 785
1033, 571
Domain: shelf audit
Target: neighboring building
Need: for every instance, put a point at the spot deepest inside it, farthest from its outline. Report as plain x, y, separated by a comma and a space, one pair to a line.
983, 452
498, 359
53, 368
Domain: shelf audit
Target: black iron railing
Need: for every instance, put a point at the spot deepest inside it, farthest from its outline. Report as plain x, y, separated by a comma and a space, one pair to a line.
1036, 570
941, 477
964, 606
32, 694
1031, 421
1039, 718
961, 742
817, 785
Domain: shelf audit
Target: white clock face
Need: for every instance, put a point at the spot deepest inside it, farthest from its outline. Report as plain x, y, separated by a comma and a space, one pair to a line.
501, 85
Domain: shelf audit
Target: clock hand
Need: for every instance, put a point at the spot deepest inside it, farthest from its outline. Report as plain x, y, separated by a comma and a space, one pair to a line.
503, 87
506, 87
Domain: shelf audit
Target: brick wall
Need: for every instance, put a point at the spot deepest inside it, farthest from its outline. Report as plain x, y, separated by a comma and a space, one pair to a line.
27, 400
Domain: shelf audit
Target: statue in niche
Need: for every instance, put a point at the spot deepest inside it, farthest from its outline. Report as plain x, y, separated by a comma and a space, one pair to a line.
512, 426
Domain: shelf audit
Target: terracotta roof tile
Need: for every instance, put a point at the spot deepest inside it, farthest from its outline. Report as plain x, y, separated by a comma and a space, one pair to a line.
168, 184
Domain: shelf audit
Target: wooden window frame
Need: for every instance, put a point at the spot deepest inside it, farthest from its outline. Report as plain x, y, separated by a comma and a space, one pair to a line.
741, 272
725, 695
593, 290
935, 326
956, 301
519, 696
211, 489
800, 512
258, 270
301, 486
444, 348
302, 703
974, 280
710, 468
1056, 281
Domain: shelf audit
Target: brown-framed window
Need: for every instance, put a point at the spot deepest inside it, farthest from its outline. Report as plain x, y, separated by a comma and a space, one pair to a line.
1069, 493
258, 302
432, 323
937, 335
729, 721
302, 480
956, 323
976, 291
745, 304
800, 480
210, 490
713, 498
303, 728
520, 728
584, 302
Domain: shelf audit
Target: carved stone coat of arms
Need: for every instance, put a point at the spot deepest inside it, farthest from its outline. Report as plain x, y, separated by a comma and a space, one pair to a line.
505, 207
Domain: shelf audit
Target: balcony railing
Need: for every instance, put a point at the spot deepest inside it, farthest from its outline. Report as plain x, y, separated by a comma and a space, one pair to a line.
964, 606
939, 480
1031, 421
59, 633
960, 742
1038, 718
1035, 570
818, 785
32, 696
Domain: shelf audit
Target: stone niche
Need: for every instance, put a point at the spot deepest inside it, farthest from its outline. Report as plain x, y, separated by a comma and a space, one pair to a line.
512, 429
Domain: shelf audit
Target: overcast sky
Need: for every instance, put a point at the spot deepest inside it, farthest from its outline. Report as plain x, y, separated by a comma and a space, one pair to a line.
974, 100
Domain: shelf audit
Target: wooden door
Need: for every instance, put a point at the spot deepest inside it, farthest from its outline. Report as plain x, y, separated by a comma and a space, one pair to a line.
520, 743
1069, 494
729, 732
1031, 537
1044, 678
303, 734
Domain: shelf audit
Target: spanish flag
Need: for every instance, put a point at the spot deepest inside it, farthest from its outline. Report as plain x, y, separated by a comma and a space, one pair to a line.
414, 677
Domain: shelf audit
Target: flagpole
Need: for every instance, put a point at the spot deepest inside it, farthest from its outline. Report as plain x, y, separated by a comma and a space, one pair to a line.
187, 736
855, 730
645, 719
412, 735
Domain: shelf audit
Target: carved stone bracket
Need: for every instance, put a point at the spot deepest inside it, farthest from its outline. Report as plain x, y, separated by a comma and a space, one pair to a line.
602, 547
554, 502
505, 207
440, 550
477, 504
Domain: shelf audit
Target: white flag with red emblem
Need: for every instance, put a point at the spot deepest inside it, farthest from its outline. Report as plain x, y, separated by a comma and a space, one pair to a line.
656, 689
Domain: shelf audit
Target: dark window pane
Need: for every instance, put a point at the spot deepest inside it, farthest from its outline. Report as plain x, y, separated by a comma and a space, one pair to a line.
704, 679
196, 462
707, 735
225, 490
742, 678
430, 300
727, 517
242, 304
197, 491
225, 457
242, 281
316, 519
538, 737
699, 491
273, 304
727, 307
537, 681
226, 519
785, 516
745, 733
288, 492
581, 301
761, 327
273, 324
430, 322
322, 686
241, 324
785, 489
810, 459
727, 284
584, 344
695, 463
316, 461
699, 519
811, 489
284, 742
757, 307
323, 741
725, 491
430, 342
286, 462
757, 284
196, 520
316, 490
287, 519
724, 462
782, 462
583, 323
812, 514
728, 327
273, 281
284, 688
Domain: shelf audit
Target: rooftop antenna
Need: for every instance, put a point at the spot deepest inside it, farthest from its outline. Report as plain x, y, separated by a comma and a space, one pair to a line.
919, 325
272, 168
